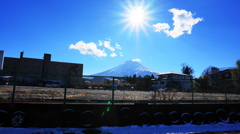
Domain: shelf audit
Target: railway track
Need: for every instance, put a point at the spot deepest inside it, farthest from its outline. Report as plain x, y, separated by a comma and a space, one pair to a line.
56, 114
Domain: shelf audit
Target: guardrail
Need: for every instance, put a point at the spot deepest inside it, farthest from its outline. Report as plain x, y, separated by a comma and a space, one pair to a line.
65, 89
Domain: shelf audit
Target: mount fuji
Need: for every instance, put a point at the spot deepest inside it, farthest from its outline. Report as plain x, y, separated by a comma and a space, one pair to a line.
128, 68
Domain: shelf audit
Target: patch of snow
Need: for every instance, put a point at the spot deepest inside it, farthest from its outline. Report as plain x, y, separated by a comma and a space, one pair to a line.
154, 129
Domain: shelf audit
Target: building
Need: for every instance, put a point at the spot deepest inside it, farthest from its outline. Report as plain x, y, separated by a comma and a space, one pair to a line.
100, 80
36, 71
172, 80
222, 74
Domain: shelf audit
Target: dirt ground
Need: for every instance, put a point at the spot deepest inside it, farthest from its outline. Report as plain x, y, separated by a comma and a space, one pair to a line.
29, 93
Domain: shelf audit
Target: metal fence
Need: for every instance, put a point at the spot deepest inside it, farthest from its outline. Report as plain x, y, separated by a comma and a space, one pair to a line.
65, 89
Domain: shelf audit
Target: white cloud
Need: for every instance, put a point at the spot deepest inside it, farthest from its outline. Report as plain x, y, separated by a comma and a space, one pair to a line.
106, 44
136, 60
88, 48
183, 23
97, 49
113, 54
100, 43
120, 53
161, 27
109, 38
117, 46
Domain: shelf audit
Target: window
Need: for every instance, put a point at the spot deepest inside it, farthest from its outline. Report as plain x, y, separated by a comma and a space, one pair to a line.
162, 82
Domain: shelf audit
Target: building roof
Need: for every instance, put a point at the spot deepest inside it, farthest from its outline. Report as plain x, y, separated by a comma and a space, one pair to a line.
172, 73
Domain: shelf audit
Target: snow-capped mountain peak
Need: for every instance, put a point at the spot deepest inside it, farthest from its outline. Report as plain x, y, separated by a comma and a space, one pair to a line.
128, 68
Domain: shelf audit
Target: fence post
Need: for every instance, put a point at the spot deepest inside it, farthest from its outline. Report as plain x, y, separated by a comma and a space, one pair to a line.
155, 92
192, 89
113, 91
225, 89
14, 87
65, 89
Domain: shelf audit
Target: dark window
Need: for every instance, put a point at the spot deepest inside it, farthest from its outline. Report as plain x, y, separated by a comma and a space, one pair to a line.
162, 82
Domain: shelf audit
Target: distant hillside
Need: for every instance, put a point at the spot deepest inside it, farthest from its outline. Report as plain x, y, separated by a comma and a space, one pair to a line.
129, 68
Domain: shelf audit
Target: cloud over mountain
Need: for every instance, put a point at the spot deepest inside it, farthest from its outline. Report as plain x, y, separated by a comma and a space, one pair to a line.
136, 60
183, 23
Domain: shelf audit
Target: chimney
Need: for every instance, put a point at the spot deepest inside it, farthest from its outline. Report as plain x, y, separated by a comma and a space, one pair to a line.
21, 54
47, 57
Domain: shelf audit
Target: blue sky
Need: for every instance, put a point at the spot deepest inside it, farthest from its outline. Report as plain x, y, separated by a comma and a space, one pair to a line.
101, 34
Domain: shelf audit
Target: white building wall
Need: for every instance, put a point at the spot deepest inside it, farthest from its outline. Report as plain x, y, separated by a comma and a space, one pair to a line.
184, 80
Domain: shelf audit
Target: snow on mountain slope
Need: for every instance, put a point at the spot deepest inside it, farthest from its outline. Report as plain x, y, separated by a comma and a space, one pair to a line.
129, 68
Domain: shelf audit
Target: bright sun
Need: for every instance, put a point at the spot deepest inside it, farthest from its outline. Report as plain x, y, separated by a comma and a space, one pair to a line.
136, 17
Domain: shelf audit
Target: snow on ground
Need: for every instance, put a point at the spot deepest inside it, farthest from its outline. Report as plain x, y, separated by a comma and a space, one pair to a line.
155, 129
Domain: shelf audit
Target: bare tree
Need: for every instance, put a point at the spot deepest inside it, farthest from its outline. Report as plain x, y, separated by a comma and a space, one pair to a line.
186, 69
236, 74
210, 70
